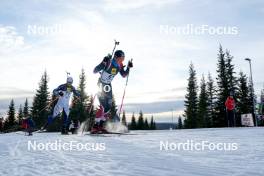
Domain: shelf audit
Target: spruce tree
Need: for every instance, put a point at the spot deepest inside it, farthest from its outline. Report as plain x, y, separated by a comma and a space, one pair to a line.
10, 120
222, 90
243, 97
25, 109
211, 90
40, 102
179, 126
146, 125
230, 73
133, 124
261, 108
124, 122
140, 122
202, 106
152, 124
20, 115
191, 102
79, 104
1, 124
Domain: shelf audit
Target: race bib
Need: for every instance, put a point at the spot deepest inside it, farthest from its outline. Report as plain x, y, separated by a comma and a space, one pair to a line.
107, 77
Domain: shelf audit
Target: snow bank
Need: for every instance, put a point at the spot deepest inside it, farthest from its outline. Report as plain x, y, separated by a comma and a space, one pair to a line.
134, 155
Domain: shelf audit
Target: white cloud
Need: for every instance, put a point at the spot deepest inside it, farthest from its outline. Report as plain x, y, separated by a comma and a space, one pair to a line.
10, 40
115, 5
14, 92
161, 61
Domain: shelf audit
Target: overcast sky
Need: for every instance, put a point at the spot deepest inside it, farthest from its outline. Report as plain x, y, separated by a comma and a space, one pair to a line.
80, 33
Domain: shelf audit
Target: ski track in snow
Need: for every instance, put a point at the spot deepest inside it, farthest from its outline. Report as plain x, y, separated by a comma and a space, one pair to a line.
134, 155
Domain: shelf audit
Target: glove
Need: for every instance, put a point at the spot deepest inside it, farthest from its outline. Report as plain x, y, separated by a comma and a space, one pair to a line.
61, 93
130, 64
106, 59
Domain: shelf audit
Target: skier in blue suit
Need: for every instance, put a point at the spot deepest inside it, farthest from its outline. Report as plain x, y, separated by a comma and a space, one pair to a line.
108, 69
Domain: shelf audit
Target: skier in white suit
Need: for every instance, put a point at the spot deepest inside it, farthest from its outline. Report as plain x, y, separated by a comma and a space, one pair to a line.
64, 92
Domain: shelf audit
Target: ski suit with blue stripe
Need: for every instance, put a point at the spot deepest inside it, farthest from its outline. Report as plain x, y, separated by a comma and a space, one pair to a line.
108, 71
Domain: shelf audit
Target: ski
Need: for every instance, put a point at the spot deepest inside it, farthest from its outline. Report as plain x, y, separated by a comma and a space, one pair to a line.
121, 133
20, 133
110, 133
40, 131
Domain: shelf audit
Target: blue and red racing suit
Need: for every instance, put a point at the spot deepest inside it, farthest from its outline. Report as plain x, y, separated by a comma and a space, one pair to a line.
108, 72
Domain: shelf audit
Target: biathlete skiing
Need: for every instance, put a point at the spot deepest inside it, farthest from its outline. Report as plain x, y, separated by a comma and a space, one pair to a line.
63, 93
109, 68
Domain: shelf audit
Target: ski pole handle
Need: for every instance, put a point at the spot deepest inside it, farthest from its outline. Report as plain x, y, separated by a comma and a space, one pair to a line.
116, 43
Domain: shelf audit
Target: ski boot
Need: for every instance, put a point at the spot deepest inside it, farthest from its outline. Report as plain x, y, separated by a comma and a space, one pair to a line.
64, 131
103, 130
30, 132
96, 129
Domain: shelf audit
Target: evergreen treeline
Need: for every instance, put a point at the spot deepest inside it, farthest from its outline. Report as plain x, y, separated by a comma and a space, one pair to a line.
43, 104
180, 124
141, 123
14, 120
205, 104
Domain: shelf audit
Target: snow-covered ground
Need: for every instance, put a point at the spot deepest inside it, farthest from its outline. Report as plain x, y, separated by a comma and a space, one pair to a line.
135, 154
